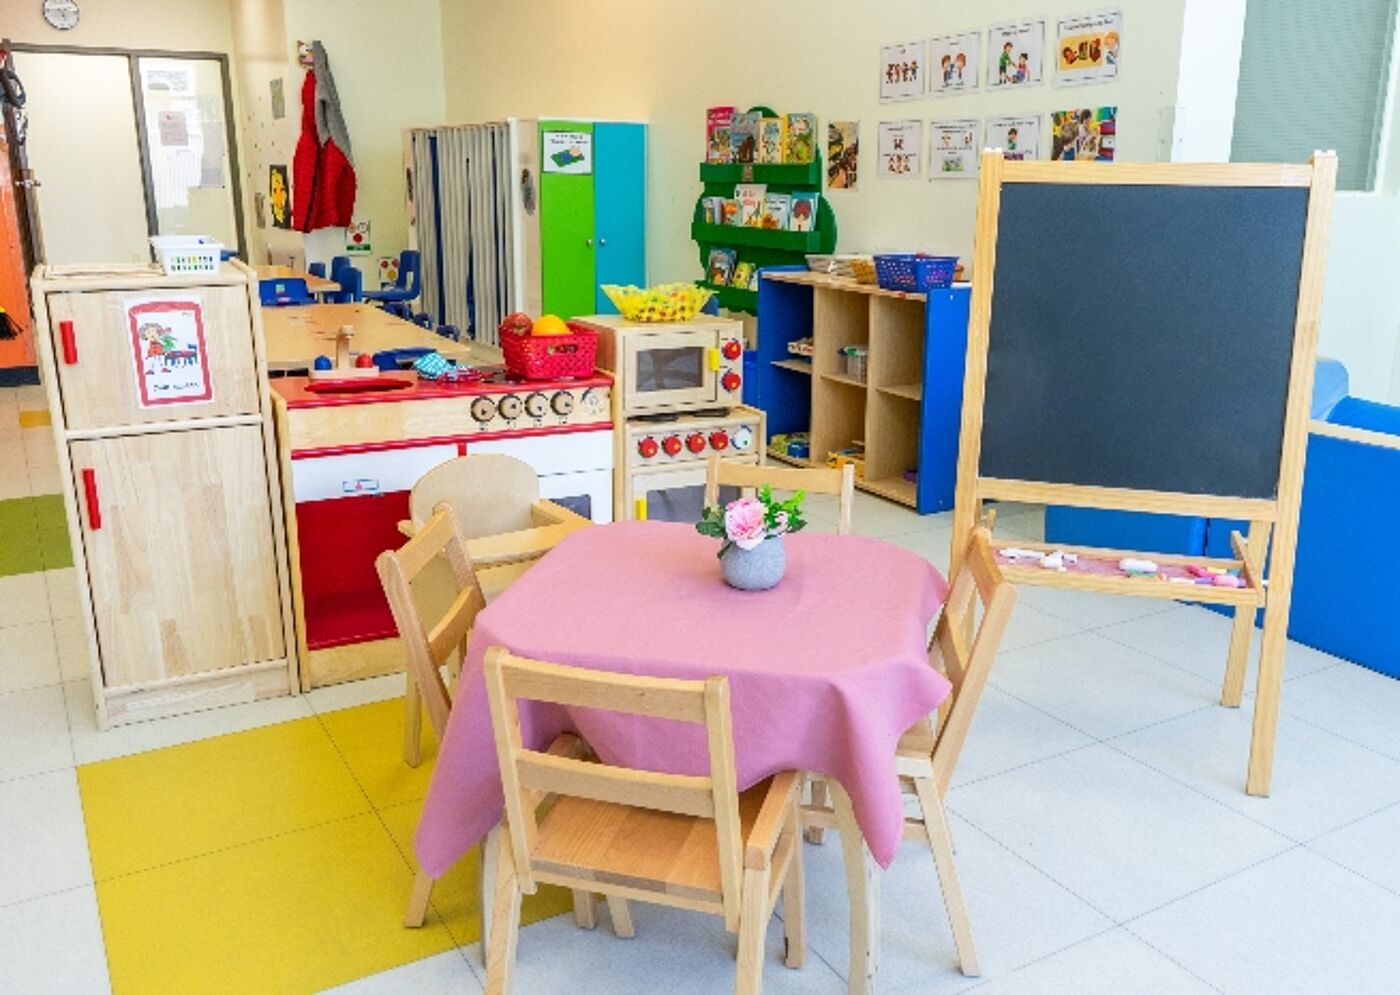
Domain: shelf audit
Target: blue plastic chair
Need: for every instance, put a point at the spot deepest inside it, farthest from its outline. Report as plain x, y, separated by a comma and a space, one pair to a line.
338, 263
351, 283
284, 293
406, 285
317, 269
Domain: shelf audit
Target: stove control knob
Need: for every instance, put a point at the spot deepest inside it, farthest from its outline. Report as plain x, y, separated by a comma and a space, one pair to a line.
563, 403
730, 382
719, 440
695, 442
732, 349
510, 407
647, 448
537, 405
593, 401
671, 444
742, 438
483, 409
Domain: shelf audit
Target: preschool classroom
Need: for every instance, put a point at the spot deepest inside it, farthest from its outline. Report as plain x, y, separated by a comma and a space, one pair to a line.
636, 497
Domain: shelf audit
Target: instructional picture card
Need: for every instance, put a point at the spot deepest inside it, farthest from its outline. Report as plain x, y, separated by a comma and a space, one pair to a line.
1084, 135
168, 351
568, 152
903, 69
1016, 54
1018, 136
901, 145
842, 155
955, 63
954, 148
1086, 48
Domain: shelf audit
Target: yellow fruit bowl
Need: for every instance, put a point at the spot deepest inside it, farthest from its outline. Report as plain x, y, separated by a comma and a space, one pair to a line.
664, 302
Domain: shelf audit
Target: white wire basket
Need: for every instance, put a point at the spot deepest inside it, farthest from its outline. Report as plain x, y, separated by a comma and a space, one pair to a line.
187, 255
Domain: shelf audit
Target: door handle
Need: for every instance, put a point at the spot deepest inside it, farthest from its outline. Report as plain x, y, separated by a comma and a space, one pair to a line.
639, 509
712, 358
602, 243
588, 243
69, 343
94, 507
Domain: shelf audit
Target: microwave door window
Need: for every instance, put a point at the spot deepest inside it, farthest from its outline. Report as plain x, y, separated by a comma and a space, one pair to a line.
683, 503
670, 369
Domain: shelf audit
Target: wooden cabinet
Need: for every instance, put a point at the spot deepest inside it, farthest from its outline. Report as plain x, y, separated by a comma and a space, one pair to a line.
158, 391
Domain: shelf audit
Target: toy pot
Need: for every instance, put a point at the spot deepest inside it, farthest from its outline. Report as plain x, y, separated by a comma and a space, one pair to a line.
755, 569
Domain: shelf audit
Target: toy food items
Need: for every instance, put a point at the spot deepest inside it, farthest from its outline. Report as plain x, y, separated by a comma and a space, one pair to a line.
550, 324
517, 322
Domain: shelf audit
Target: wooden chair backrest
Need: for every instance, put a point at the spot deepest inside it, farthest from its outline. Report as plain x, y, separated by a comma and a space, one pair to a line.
427, 645
528, 775
966, 665
490, 492
746, 476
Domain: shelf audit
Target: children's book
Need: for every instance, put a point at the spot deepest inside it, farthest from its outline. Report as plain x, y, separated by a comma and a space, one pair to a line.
717, 120
721, 268
772, 135
804, 212
750, 197
712, 210
777, 210
745, 276
801, 138
729, 208
743, 136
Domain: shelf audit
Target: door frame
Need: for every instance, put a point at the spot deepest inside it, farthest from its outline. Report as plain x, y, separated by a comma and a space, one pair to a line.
132, 56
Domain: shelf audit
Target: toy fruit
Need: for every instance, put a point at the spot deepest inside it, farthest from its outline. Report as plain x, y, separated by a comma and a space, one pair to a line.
517, 322
550, 324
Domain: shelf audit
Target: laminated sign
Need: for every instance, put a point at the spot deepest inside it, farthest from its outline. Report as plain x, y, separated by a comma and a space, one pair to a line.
168, 350
568, 152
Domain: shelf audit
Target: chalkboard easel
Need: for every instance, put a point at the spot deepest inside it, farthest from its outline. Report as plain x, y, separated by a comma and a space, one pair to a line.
1142, 337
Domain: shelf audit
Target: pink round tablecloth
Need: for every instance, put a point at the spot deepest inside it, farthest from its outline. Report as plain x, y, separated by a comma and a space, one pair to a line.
826, 670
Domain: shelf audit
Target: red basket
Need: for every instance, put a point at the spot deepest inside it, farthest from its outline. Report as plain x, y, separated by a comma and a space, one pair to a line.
551, 357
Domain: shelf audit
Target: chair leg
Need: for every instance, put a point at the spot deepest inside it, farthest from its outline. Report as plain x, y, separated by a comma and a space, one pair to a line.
753, 923
863, 889
490, 866
941, 843
412, 722
418, 900
585, 909
1237, 662
816, 834
795, 897
505, 927
621, 917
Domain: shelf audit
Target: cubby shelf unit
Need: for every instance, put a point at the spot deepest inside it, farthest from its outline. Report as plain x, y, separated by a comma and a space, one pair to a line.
906, 412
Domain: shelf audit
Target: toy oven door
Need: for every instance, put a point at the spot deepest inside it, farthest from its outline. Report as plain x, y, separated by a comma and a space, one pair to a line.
673, 494
670, 371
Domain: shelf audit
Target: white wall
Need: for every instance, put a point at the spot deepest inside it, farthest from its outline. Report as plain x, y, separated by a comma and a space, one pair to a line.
182, 25
666, 61
1208, 77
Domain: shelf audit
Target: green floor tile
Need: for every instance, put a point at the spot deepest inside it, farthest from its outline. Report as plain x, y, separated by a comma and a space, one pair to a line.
21, 548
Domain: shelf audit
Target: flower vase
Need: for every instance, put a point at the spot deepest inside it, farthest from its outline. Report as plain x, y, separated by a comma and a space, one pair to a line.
755, 569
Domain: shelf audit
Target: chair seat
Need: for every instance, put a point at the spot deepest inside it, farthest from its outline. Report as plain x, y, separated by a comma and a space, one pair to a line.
494, 580
597, 840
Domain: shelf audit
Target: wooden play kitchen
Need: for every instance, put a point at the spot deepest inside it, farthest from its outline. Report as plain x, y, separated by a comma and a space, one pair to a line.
158, 390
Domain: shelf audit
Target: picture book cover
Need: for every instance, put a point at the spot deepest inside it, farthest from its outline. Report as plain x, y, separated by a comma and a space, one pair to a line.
717, 120
772, 136
712, 210
801, 138
777, 210
729, 211
804, 212
721, 267
750, 197
745, 276
743, 136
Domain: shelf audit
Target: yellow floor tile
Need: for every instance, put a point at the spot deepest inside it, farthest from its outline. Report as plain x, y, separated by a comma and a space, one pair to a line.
297, 913
34, 419
154, 808
455, 893
370, 737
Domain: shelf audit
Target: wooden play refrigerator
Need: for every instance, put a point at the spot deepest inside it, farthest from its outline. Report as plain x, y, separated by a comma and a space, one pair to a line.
158, 393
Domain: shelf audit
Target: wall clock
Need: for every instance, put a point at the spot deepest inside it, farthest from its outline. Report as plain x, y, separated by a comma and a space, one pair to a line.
61, 14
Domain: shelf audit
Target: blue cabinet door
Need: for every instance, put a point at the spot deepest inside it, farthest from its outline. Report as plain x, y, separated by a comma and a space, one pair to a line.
620, 206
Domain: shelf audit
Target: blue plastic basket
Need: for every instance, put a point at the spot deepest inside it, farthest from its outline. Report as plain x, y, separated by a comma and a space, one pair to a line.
915, 273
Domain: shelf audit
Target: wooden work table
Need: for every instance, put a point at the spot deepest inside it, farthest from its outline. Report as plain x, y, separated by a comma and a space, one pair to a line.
314, 284
297, 335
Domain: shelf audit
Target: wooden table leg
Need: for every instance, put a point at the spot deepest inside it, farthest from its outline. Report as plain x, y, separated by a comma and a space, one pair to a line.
863, 888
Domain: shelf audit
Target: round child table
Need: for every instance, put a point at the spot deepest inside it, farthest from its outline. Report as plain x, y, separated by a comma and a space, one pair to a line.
826, 672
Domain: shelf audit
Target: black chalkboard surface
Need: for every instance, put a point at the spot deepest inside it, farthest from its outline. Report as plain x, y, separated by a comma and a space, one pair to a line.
1141, 336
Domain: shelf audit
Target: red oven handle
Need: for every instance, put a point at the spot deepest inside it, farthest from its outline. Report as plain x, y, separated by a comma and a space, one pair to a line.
94, 507
70, 343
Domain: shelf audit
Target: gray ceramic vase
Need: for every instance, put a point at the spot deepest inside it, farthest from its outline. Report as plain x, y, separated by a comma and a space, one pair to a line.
755, 569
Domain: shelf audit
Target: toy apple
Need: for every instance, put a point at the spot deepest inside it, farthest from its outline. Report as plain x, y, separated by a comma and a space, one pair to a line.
516, 323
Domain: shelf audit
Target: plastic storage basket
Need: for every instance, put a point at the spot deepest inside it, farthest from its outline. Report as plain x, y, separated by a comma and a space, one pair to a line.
187, 255
551, 357
915, 273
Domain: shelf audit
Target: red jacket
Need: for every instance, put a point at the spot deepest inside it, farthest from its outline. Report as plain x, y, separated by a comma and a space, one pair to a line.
323, 180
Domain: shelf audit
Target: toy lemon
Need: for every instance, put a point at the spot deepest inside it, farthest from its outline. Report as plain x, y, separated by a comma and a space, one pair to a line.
550, 324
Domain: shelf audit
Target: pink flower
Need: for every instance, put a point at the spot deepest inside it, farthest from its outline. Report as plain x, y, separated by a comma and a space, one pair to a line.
780, 519
743, 522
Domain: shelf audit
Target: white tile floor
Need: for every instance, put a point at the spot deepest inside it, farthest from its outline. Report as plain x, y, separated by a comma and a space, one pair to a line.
1105, 843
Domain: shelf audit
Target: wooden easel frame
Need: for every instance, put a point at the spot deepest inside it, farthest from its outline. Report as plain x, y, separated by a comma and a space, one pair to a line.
1278, 517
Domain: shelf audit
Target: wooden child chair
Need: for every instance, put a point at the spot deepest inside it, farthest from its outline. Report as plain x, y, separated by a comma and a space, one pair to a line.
691, 842
746, 476
925, 756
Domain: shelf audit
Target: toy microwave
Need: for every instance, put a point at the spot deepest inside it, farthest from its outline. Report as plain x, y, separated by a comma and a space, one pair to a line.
672, 367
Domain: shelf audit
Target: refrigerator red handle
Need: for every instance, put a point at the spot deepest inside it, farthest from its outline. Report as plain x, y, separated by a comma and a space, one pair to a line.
70, 343
94, 508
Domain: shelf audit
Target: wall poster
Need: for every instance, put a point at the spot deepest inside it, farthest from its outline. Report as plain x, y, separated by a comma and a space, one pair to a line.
1016, 54
954, 147
842, 155
903, 69
1018, 136
1086, 48
955, 63
568, 152
1085, 134
901, 146
168, 349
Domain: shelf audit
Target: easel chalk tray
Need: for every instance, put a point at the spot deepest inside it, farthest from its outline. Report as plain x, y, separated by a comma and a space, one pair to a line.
1142, 337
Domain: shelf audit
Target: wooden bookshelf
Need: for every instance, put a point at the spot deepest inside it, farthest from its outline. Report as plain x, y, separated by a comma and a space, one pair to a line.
796, 365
